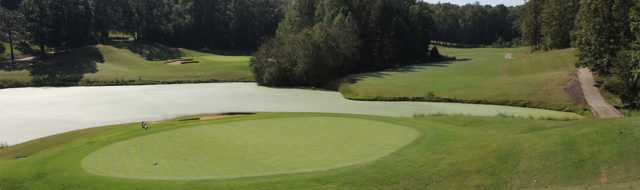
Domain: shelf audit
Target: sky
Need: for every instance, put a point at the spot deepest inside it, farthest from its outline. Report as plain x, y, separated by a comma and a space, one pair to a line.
484, 2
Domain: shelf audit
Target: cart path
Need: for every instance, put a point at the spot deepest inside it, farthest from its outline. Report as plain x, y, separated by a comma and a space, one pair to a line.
599, 106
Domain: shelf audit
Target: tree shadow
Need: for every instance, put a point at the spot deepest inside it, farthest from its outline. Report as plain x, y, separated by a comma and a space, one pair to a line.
2, 48
151, 52
402, 69
66, 69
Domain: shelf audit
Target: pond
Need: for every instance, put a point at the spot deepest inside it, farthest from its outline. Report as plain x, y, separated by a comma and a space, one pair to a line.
30, 113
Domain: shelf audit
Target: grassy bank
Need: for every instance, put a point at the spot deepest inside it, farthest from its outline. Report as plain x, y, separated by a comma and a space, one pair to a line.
508, 76
126, 65
451, 153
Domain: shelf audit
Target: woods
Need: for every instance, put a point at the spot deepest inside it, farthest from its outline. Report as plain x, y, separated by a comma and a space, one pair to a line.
322, 40
607, 38
475, 24
224, 24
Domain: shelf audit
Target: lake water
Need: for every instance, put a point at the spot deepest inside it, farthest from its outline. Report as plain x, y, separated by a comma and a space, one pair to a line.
30, 113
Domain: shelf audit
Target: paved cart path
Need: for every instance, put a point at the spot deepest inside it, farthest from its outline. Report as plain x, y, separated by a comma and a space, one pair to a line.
599, 106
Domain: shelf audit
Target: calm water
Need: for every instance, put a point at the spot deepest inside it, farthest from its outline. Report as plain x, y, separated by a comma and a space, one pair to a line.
30, 113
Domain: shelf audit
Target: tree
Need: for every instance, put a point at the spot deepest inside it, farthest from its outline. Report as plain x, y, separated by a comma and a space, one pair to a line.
10, 22
531, 24
322, 40
11, 5
557, 23
626, 68
60, 23
603, 31
109, 16
10, 28
473, 23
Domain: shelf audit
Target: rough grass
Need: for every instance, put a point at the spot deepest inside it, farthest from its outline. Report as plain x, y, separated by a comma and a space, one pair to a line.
121, 66
250, 148
5, 51
481, 75
452, 153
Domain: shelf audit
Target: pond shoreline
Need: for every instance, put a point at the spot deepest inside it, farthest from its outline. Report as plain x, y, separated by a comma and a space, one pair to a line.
31, 113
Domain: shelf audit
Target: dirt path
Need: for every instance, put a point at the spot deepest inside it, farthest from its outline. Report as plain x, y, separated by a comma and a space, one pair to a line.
600, 108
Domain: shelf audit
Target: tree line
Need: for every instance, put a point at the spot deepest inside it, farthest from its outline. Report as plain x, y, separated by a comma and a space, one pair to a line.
549, 24
606, 34
212, 24
475, 24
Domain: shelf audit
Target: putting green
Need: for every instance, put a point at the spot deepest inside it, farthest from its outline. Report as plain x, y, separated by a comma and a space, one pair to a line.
250, 148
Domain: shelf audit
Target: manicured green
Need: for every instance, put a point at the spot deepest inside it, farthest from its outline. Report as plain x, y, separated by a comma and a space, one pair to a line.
250, 148
481, 75
122, 66
452, 152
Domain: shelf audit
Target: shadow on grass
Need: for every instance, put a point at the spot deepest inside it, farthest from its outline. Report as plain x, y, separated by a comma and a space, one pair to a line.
66, 69
404, 69
151, 52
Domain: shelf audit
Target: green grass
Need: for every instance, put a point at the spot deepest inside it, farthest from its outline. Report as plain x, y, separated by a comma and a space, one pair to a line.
250, 148
452, 153
125, 65
482, 75
6, 54
109, 65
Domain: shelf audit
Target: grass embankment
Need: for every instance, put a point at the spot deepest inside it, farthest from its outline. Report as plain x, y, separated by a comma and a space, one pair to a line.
451, 153
480, 75
118, 65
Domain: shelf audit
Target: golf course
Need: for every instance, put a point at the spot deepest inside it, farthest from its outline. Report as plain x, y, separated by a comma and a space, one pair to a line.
319, 95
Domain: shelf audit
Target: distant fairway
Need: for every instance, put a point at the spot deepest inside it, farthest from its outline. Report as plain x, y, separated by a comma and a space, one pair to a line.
122, 66
482, 75
250, 148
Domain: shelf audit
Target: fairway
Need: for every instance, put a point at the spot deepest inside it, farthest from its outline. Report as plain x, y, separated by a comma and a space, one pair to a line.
480, 75
250, 148
115, 65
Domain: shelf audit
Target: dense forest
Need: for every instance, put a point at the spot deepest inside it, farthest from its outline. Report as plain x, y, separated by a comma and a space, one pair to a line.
212, 24
321, 40
476, 24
